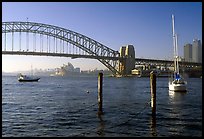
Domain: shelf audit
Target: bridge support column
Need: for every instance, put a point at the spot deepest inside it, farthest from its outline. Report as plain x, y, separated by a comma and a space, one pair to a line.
128, 63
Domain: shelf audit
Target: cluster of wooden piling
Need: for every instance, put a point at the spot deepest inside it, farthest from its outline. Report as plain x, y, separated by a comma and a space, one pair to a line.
153, 93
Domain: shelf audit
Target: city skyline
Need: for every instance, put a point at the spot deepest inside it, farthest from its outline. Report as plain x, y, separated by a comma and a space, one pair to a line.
113, 24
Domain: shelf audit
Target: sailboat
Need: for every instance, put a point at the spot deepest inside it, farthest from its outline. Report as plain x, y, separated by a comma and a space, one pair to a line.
178, 84
25, 78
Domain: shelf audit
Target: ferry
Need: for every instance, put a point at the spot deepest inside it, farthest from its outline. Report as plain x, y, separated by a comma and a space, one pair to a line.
25, 78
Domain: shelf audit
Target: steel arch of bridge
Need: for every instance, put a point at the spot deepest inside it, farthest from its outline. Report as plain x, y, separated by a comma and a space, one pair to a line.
96, 50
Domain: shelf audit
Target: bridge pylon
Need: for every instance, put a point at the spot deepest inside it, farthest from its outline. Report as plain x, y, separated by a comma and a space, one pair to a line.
127, 64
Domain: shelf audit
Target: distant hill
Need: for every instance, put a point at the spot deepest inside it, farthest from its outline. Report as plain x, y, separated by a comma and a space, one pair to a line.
15, 73
9, 74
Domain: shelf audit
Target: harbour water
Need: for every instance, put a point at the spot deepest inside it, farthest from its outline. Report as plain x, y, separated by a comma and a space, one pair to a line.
67, 107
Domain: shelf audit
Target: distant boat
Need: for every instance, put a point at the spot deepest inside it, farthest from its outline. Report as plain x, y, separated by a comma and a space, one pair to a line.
25, 78
178, 84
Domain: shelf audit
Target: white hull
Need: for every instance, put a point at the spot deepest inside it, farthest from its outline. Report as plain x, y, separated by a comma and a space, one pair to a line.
177, 87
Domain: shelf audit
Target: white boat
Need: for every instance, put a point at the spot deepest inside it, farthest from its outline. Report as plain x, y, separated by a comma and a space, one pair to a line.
25, 78
178, 84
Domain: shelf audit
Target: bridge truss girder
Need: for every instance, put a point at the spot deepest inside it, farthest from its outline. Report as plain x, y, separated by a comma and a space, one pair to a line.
86, 44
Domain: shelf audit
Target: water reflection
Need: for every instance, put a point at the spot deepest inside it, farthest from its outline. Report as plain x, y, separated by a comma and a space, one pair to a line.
173, 94
175, 114
100, 129
153, 126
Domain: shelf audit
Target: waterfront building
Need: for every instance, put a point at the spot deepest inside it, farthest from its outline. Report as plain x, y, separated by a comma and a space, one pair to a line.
136, 72
193, 52
188, 52
67, 70
197, 51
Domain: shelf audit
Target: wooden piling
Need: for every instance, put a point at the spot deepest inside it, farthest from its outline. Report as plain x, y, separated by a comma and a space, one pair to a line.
153, 92
100, 96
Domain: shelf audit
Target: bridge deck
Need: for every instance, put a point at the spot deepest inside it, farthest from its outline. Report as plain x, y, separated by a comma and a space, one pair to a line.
58, 55
137, 60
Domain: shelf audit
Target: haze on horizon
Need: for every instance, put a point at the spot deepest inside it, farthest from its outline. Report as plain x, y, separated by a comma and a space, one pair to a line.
145, 25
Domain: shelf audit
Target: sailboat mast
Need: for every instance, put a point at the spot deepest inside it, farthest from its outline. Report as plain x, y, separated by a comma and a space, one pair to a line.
174, 43
177, 58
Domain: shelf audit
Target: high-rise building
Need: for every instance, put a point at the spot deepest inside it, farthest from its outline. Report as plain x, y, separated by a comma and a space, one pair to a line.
197, 51
193, 52
188, 52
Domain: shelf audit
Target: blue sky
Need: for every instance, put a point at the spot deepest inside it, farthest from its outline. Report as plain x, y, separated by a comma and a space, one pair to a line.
146, 25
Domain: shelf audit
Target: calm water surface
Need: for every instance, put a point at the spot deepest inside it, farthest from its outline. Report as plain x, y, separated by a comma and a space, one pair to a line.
57, 106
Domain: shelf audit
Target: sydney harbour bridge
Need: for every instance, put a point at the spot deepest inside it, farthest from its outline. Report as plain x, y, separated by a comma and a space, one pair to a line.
30, 38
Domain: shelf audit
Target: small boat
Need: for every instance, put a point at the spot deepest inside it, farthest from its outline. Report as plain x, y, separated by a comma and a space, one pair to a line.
177, 84
25, 78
